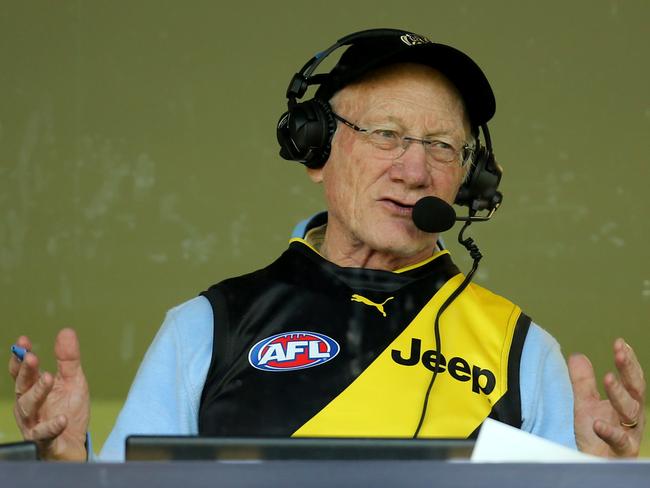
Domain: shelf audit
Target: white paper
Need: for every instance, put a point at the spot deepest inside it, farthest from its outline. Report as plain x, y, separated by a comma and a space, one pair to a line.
498, 442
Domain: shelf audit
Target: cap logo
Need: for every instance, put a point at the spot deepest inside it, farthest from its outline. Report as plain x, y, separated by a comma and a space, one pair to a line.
414, 39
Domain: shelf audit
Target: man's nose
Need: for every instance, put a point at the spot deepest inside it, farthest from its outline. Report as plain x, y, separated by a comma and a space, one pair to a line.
412, 167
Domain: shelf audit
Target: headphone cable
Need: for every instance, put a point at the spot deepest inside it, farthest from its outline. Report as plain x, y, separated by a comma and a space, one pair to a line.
476, 255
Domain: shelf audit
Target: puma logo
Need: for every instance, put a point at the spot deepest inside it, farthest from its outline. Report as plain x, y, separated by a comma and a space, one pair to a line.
365, 301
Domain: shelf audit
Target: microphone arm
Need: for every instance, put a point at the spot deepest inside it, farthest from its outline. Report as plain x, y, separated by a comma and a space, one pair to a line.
432, 214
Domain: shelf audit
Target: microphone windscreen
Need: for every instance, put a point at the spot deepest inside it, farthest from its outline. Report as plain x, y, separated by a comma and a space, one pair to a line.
431, 214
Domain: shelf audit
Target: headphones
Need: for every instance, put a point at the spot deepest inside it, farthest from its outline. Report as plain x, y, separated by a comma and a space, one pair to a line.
306, 129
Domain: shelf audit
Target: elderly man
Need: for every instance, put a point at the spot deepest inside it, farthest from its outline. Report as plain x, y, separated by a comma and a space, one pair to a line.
364, 326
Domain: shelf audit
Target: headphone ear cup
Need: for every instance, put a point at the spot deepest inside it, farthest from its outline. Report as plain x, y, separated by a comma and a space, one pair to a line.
305, 133
479, 190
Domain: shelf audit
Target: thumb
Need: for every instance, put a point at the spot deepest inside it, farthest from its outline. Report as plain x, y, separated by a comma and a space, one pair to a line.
67, 353
583, 379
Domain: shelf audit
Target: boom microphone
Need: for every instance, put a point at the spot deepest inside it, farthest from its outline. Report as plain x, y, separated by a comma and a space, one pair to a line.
432, 214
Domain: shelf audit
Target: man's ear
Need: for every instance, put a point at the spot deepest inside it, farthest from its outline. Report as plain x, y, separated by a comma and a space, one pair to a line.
315, 174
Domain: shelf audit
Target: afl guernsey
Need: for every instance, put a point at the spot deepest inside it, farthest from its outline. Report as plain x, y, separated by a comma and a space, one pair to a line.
306, 348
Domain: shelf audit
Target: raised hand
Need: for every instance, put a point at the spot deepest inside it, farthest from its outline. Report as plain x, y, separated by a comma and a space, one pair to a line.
53, 410
611, 427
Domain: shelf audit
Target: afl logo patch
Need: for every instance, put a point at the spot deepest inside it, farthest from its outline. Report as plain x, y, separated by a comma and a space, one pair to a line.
292, 350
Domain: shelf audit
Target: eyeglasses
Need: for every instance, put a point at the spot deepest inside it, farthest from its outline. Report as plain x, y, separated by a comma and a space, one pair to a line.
392, 145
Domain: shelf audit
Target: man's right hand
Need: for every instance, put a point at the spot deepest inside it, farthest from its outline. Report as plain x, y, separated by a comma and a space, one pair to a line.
53, 410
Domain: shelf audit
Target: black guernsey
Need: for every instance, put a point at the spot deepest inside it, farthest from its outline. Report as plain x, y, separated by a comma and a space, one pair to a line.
372, 317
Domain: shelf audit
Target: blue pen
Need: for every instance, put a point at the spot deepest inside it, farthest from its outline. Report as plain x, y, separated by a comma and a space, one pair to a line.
19, 352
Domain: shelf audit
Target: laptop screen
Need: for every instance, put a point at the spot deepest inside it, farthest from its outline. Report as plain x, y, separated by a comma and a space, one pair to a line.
18, 451
157, 448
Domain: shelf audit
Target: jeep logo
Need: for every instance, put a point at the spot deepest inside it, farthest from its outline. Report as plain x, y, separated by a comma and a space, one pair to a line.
483, 380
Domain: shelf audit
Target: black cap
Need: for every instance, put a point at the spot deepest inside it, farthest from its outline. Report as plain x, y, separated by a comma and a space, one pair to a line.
389, 46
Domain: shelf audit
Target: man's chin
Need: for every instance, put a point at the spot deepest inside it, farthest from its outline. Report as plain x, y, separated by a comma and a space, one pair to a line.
403, 235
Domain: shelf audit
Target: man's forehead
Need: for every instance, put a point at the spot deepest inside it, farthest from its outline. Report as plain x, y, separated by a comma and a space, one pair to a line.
402, 89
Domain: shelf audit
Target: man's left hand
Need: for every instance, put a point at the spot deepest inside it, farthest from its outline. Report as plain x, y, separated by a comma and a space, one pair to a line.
611, 427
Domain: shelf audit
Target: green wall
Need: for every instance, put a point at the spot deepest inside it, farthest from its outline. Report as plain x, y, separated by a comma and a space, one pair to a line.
138, 162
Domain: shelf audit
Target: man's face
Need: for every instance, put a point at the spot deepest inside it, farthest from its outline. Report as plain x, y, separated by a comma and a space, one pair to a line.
370, 198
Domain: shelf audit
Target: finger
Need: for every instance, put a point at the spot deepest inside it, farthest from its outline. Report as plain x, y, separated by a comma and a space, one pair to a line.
28, 374
14, 362
583, 379
48, 430
616, 438
14, 366
67, 353
28, 405
627, 407
24, 342
629, 369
